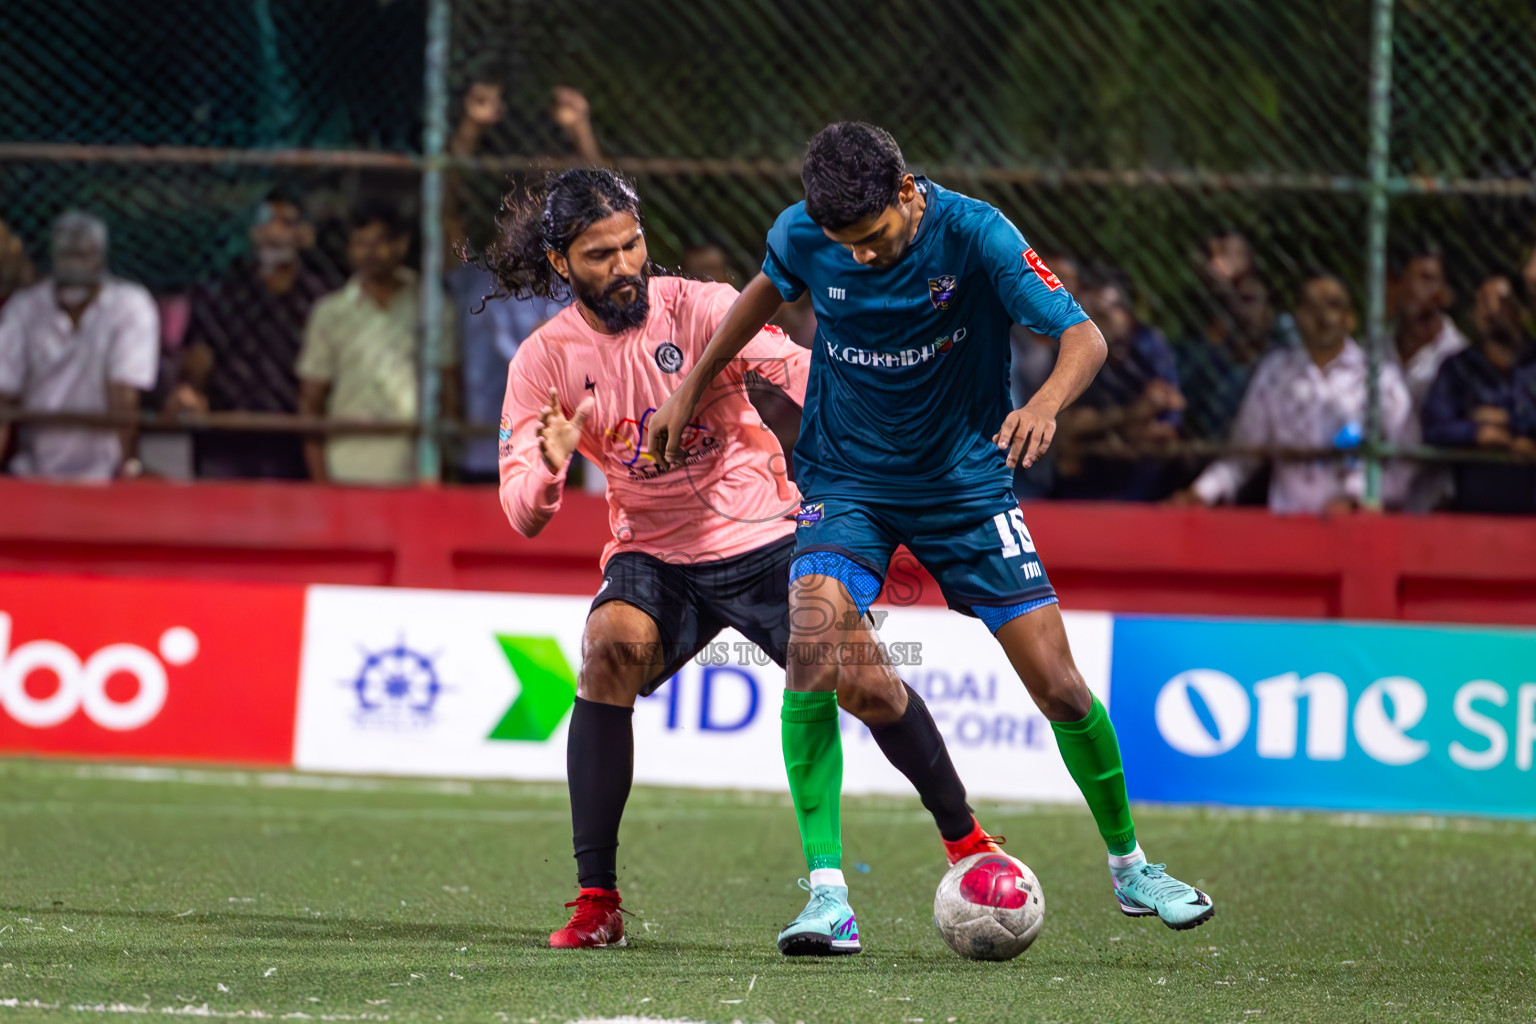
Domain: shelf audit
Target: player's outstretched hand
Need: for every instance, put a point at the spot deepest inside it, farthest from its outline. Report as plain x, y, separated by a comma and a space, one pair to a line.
1026, 435
558, 436
664, 430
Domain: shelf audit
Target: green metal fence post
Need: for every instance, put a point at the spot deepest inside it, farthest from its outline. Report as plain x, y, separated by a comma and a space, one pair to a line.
434, 137
277, 100
1376, 242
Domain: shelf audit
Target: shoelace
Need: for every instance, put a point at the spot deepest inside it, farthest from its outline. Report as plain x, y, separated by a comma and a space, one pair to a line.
589, 905
1159, 884
819, 900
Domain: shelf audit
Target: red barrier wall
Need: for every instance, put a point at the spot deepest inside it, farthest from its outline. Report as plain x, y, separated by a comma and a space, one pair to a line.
1128, 558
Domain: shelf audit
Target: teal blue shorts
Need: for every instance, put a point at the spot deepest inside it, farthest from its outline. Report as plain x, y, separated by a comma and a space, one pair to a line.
981, 554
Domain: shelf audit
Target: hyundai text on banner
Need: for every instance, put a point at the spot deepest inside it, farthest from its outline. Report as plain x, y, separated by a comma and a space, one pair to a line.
184, 670
1327, 715
437, 683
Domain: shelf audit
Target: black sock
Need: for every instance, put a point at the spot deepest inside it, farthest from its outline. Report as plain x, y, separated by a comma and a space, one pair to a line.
912, 743
599, 767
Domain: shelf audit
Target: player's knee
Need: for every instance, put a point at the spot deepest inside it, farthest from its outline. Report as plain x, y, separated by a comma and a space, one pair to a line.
806, 672
1064, 697
612, 672
871, 693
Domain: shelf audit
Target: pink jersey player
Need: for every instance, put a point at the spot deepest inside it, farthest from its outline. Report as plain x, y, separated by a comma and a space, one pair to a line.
733, 494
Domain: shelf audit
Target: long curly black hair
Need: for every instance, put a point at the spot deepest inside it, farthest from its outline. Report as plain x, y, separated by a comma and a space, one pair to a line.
552, 216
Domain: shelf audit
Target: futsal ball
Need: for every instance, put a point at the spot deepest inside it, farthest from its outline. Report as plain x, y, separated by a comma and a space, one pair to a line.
989, 907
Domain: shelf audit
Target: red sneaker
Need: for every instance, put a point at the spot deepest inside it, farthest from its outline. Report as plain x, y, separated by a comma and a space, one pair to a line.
976, 842
597, 922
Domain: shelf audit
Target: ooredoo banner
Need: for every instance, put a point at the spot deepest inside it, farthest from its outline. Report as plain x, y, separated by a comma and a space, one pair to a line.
426, 682
187, 670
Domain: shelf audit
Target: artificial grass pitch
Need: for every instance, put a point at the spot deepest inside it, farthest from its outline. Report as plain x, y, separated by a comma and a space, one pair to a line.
148, 891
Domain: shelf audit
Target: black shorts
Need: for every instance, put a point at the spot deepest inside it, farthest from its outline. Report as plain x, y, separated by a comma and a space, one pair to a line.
692, 603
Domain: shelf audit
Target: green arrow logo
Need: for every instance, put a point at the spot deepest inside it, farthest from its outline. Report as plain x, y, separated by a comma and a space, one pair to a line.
548, 689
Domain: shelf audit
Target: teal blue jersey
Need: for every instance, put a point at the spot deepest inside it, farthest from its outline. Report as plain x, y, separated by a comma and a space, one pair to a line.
909, 374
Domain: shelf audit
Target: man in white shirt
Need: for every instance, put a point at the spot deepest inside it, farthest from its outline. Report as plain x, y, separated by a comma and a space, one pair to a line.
1424, 339
360, 356
1310, 397
80, 341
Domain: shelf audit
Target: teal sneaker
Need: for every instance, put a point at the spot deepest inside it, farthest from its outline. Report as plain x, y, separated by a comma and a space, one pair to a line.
826, 927
1147, 889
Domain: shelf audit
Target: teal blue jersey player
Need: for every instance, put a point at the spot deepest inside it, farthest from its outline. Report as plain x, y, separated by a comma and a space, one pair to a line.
908, 437
911, 362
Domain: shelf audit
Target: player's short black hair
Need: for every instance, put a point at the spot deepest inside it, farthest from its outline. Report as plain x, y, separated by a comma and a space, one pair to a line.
551, 217
378, 210
852, 171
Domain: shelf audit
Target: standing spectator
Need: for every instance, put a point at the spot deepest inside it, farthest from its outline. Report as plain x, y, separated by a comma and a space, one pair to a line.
1309, 397
487, 123
360, 355
1423, 339
485, 110
1134, 401
81, 341
1474, 403
1227, 259
490, 332
1215, 368
242, 342
1424, 336
15, 269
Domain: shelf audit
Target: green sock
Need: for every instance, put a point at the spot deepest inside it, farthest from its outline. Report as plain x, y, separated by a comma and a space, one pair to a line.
813, 759
1092, 755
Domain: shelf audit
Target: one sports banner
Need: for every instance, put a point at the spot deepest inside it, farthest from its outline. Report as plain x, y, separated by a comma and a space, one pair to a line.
1327, 715
444, 683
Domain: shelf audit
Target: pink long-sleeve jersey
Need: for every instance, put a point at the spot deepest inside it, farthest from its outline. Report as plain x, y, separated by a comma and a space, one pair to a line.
730, 496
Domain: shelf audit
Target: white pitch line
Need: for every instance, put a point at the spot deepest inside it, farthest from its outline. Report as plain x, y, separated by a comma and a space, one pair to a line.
272, 780
203, 1010
637, 1020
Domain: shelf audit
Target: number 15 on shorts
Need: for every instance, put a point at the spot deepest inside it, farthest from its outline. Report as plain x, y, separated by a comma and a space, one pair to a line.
1017, 541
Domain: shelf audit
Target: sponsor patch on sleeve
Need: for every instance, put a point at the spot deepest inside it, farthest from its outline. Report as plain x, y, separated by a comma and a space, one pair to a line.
1042, 271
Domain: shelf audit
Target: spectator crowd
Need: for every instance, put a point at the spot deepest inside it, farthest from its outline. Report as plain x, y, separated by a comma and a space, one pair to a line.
1280, 382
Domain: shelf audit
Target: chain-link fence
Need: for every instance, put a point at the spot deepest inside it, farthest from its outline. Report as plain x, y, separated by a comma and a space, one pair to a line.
1204, 155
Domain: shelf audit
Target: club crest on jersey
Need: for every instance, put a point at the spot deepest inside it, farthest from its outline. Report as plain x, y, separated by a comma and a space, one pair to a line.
809, 514
941, 290
669, 357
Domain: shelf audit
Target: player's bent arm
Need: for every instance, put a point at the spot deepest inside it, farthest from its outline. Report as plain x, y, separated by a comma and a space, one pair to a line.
1083, 351
536, 445
753, 308
1027, 433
